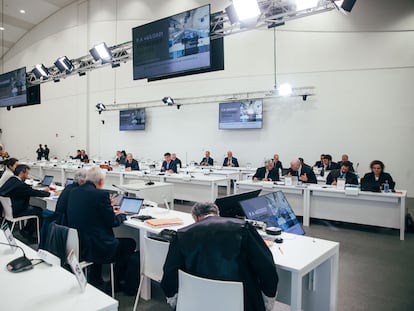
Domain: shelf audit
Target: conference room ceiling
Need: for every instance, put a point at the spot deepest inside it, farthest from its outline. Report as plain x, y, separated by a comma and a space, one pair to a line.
17, 23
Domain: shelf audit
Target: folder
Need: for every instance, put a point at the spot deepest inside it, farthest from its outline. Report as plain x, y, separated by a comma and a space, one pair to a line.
163, 222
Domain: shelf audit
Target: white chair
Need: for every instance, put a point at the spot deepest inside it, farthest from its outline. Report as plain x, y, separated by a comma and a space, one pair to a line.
154, 254
8, 216
224, 295
72, 243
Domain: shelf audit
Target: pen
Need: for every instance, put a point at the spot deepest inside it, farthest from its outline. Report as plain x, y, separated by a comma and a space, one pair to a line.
281, 251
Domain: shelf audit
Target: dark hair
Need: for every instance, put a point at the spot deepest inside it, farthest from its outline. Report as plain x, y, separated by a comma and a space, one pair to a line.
167, 154
10, 162
328, 157
124, 153
346, 163
377, 162
202, 209
301, 160
21, 168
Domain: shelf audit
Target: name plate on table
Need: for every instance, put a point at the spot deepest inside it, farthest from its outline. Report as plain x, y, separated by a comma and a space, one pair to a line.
288, 181
77, 270
9, 237
340, 183
267, 184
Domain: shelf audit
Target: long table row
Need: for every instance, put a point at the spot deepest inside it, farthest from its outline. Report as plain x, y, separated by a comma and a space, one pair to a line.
349, 205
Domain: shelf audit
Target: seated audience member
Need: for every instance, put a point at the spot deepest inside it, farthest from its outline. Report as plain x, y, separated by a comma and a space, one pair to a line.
11, 165
377, 177
91, 213
230, 160
304, 173
20, 193
276, 162
63, 200
168, 165
343, 172
120, 159
224, 249
176, 160
320, 162
77, 156
328, 165
302, 162
267, 172
344, 158
131, 164
207, 160
83, 156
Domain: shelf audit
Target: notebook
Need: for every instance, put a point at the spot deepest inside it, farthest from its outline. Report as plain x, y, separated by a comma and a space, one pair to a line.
131, 206
274, 210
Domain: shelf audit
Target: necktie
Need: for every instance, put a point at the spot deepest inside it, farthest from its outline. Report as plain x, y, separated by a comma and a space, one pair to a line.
266, 174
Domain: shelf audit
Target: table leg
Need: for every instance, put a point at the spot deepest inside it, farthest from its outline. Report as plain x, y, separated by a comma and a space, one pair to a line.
296, 292
334, 281
402, 217
306, 207
146, 282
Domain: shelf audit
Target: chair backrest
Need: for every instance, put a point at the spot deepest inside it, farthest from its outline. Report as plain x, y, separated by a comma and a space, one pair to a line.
224, 295
7, 207
72, 242
155, 253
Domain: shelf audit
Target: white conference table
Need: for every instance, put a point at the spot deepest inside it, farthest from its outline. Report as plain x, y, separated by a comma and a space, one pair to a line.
45, 288
157, 192
352, 205
307, 282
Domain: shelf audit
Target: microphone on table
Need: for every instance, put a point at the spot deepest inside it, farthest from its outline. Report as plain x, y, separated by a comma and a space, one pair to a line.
150, 182
19, 264
124, 191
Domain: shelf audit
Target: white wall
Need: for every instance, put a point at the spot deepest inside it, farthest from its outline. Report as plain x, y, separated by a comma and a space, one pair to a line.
362, 66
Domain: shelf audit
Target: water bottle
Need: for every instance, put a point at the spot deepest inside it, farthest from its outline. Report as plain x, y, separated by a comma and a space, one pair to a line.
386, 186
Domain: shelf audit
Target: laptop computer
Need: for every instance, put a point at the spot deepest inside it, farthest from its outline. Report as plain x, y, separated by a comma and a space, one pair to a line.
274, 210
229, 206
131, 206
68, 182
47, 181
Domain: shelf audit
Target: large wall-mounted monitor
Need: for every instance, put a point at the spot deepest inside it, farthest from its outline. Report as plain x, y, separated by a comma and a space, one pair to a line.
247, 114
172, 45
132, 120
13, 88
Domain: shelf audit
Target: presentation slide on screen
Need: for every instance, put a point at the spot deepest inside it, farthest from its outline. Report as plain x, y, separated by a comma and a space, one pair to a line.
171, 45
241, 115
130, 120
13, 88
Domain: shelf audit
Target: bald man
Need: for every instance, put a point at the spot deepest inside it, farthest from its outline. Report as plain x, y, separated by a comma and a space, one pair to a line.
305, 173
230, 160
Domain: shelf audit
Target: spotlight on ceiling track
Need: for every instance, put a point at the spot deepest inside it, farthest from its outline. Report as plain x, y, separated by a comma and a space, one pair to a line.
169, 101
64, 64
41, 72
101, 52
305, 4
344, 5
81, 74
245, 12
100, 107
285, 89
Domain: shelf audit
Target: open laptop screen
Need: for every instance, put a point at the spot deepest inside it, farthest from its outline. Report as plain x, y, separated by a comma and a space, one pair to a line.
274, 210
131, 206
68, 182
47, 180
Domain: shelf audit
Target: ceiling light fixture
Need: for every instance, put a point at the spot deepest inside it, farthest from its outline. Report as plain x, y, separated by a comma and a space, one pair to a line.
246, 9
101, 52
40, 71
22, 11
285, 89
101, 107
1, 28
64, 64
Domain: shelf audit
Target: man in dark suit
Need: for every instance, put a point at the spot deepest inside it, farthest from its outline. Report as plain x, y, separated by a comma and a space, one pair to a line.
131, 164
343, 172
344, 158
46, 152
304, 173
328, 164
120, 159
176, 160
20, 193
232, 250
276, 162
267, 172
168, 166
40, 152
320, 163
230, 160
91, 213
207, 160
63, 200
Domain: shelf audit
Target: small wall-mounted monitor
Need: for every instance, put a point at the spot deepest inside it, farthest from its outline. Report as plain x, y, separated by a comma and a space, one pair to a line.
246, 114
132, 120
13, 88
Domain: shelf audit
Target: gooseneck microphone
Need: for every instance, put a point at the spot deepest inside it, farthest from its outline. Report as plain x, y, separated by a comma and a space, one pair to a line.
124, 191
150, 182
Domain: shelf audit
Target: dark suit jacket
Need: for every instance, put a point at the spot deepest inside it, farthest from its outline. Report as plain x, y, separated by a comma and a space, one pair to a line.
232, 250
261, 171
91, 213
318, 164
178, 162
121, 160
62, 204
369, 182
133, 165
233, 160
309, 172
351, 168
332, 166
206, 161
278, 165
350, 177
172, 166
20, 193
